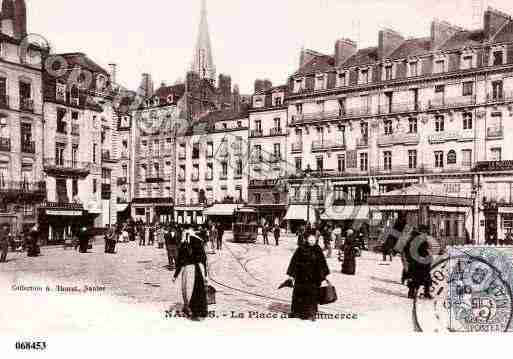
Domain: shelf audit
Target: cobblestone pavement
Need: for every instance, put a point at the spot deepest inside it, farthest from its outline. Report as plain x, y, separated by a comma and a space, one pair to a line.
138, 291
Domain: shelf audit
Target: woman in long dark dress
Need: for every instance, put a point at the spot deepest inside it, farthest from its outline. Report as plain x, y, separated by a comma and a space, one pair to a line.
192, 265
308, 269
349, 264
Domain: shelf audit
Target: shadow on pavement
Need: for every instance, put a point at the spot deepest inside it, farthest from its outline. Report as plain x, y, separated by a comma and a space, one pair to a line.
389, 292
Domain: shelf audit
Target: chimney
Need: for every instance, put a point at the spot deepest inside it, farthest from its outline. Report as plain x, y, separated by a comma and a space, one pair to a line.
236, 98
388, 41
441, 31
306, 56
267, 85
344, 49
113, 73
20, 19
259, 85
7, 18
146, 88
493, 21
225, 85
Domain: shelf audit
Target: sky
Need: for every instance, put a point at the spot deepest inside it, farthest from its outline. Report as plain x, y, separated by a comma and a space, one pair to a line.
250, 39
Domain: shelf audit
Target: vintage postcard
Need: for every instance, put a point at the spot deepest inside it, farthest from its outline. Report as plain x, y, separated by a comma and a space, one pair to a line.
236, 165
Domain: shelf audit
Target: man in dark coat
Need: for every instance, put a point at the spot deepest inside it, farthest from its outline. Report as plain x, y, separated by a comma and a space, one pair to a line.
4, 243
277, 232
33, 245
172, 239
419, 263
220, 234
83, 239
308, 269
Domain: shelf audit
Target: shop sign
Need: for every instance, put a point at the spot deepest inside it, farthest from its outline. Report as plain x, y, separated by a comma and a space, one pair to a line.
51, 212
494, 165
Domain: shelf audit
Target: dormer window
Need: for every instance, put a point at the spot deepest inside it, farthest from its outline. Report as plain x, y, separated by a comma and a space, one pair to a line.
439, 66
277, 101
467, 62
413, 68
364, 76
298, 85
497, 57
387, 76
320, 82
60, 92
100, 83
342, 79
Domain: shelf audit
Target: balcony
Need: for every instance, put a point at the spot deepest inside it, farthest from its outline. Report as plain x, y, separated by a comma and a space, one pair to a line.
448, 102
446, 136
327, 145
297, 147
23, 190
495, 133
75, 130
276, 132
400, 107
4, 101
499, 96
26, 104
421, 169
357, 111
399, 138
362, 142
256, 133
66, 168
5, 144
28, 147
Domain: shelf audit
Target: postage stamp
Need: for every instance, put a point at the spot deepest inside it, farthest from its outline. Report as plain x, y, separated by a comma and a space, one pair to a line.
471, 287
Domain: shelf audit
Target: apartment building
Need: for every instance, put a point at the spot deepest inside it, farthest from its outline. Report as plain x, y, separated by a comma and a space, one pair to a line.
153, 134
421, 110
268, 132
78, 152
22, 188
211, 162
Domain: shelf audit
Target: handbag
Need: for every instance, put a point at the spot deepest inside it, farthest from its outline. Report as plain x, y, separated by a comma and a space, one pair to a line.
327, 294
211, 295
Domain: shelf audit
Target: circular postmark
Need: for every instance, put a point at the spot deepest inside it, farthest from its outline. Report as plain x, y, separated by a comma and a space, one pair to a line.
469, 295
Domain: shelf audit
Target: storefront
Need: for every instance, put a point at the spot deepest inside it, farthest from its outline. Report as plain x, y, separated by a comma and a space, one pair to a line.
152, 210
449, 217
58, 222
299, 214
222, 214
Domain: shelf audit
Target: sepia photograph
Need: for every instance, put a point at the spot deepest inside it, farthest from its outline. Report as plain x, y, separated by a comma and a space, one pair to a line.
241, 167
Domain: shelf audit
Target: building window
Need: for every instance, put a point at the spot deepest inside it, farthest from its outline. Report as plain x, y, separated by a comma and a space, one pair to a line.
466, 62
364, 129
320, 163
277, 123
95, 149
74, 156
277, 151
341, 163
466, 157
299, 108
195, 150
210, 149
210, 171
412, 159
258, 126
364, 161
439, 123
342, 79
60, 148
364, 76
95, 185
319, 83
388, 72
299, 163
224, 169
412, 125
497, 90
239, 124
467, 121
439, 159
497, 58
60, 92
388, 128
257, 197
439, 66
387, 160
468, 88
124, 171
496, 154
276, 198
451, 157
414, 69
277, 101
238, 169
225, 125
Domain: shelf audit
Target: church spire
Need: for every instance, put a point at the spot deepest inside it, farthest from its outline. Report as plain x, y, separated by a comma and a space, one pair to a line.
203, 63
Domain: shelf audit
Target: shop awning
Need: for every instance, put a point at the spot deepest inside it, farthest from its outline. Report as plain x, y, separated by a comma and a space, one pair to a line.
448, 209
221, 209
300, 212
342, 213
